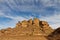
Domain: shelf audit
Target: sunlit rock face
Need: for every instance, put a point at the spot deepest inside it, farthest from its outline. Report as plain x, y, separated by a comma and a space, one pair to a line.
31, 29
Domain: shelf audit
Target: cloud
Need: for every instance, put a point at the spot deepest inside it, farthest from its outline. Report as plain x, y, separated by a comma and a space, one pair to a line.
48, 10
12, 17
53, 20
41, 7
29, 5
12, 23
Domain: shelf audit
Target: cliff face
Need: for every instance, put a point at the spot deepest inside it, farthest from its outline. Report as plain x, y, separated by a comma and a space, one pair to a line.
28, 28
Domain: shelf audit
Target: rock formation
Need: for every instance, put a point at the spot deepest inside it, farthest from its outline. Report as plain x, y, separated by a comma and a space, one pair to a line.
46, 28
28, 28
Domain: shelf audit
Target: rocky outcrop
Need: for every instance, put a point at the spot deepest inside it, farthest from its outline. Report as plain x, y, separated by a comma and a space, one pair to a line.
34, 27
31, 27
46, 28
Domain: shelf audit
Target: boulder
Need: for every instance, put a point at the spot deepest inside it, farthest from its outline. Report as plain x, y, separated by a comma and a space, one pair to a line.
45, 27
36, 21
24, 23
30, 22
18, 24
44, 23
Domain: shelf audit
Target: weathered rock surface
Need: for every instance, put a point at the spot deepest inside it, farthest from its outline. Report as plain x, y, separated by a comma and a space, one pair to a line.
31, 30
55, 35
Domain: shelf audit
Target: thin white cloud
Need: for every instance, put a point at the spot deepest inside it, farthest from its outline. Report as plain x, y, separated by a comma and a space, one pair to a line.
53, 20
1, 13
13, 22
13, 17
30, 5
48, 3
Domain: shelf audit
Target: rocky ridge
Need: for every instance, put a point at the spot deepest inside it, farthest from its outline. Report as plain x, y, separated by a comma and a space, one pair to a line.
31, 27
